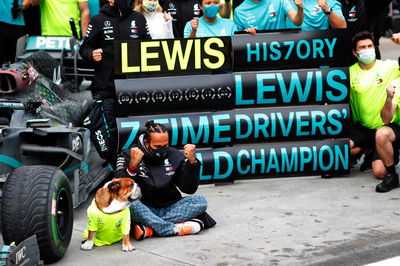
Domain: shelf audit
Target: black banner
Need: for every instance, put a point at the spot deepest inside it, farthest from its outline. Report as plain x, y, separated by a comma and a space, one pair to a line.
140, 58
153, 95
244, 125
228, 91
272, 159
283, 50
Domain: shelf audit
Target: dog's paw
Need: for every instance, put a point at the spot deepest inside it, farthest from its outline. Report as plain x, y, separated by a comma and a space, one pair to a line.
88, 245
127, 248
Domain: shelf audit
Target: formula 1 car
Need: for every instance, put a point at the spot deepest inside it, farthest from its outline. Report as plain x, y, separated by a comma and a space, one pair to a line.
47, 163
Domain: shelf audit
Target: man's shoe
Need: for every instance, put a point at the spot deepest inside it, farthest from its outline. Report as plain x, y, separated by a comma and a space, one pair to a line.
141, 232
187, 228
355, 160
390, 181
366, 166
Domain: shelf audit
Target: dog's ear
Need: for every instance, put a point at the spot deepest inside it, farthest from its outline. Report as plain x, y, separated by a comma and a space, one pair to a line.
114, 186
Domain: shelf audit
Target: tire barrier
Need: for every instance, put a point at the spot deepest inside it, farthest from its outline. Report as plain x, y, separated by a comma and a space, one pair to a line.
282, 111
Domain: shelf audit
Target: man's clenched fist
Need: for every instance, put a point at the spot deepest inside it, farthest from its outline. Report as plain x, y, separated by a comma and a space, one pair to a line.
136, 157
190, 151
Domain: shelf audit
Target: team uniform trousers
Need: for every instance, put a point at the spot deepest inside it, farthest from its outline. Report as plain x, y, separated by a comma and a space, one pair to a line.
162, 220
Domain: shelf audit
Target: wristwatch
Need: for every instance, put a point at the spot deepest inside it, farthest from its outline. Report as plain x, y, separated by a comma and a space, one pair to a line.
329, 11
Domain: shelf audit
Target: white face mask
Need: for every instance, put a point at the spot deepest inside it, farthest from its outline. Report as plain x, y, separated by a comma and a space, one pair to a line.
366, 56
150, 6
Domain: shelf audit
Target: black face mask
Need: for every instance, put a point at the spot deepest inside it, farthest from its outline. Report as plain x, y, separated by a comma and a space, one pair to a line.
123, 5
159, 153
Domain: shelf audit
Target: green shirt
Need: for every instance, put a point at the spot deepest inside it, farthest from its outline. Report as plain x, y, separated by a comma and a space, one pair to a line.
55, 15
109, 227
396, 100
368, 91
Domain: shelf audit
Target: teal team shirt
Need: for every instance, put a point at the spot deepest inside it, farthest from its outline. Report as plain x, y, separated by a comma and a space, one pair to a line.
5, 13
221, 27
315, 18
265, 15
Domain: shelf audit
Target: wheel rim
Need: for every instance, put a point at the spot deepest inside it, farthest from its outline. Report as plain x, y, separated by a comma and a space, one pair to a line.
63, 214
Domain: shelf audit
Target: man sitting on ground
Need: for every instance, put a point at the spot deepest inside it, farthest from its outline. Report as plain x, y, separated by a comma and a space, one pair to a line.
160, 170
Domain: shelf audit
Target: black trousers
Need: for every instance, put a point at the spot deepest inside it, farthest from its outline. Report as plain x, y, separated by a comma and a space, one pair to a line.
103, 129
9, 35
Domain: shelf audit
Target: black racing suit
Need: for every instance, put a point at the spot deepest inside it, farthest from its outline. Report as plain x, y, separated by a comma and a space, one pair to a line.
105, 28
159, 178
182, 11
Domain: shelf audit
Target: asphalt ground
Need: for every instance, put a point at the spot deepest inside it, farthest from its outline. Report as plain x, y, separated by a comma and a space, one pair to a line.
275, 221
280, 221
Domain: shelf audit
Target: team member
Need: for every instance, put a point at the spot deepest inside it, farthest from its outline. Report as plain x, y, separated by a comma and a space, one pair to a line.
322, 14
368, 81
55, 15
159, 171
253, 15
388, 138
160, 24
209, 24
116, 21
11, 28
183, 11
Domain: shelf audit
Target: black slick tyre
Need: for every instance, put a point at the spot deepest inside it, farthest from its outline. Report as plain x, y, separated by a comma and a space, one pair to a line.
37, 200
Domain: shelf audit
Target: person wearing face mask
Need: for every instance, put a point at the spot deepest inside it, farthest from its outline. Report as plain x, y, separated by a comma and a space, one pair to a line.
183, 11
160, 24
161, 173
253, 15
116, 21
209, 24
369, 78
322, 15
365, 15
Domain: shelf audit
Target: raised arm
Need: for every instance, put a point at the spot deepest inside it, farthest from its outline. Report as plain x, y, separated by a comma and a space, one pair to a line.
389, 107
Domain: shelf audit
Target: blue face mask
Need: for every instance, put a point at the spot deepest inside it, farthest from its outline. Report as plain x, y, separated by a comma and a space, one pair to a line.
211, 11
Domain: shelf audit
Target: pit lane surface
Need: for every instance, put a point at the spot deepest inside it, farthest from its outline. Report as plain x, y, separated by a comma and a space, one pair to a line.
280, 221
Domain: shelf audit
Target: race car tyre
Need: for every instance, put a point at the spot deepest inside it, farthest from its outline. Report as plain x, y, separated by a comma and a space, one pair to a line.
37, 200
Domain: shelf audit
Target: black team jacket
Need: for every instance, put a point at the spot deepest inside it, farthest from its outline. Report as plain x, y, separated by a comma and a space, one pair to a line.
160, 178
105, 28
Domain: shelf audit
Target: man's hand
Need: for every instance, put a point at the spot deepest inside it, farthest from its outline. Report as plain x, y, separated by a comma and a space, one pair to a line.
195, 24
136, 157
97, 55
323, 5
396, 38
167, 16
190, 152
390, 90
298, 3
251, 31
